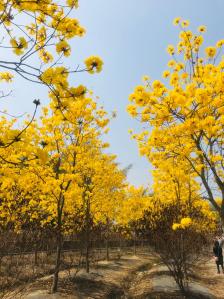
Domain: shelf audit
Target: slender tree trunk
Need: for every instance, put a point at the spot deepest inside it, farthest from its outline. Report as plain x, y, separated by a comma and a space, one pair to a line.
107, 250
87, 234
60, 206
87, 257
107, 241
57, 263
135, 251
183, 269
37, 240
120, 247
36, 255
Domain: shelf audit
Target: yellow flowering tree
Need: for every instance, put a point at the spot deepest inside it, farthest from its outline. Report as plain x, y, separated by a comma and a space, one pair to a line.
136, 201
62, 142
41, 173
178, 222
57, 170
185, 111
102, 183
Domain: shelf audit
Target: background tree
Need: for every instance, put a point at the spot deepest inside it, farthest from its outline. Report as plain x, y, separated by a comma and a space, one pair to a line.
102, 184
178, 223
131, 209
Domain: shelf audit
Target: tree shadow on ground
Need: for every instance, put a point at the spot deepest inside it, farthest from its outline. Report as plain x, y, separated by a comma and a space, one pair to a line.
119, 294
174, 295
97, 288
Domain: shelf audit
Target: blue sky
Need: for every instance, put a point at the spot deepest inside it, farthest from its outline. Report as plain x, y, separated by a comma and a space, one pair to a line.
131, 36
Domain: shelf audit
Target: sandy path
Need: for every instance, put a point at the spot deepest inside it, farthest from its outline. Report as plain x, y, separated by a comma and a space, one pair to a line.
131, 277
107, 280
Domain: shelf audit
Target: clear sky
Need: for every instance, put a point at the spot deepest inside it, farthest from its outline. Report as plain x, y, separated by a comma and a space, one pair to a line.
131, 36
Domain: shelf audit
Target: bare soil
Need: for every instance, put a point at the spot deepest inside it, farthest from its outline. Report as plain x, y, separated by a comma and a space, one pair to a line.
108, 280
206, 275
131, 277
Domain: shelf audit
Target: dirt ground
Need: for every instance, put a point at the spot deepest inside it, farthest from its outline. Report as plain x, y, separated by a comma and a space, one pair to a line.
206, 274
131, 277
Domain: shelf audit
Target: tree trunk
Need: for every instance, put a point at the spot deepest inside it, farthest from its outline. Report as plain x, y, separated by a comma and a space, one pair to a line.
135, 251
120, 248
36, 256
87, 256
57, 264
87, 234
107, 241
107, 250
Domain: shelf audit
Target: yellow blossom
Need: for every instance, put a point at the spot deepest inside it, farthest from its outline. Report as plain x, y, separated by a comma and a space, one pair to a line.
171, 63
175, 226
145, 78
170, 49
210, 51
94, 64
6, 76
19, 45
63, 47
185, 23
201, 29
185, 222
176, 21
220, 43
166, 74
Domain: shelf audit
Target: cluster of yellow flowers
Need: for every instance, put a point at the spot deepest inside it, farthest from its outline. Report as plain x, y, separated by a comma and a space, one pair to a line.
19, 46
49, 18
94, 64
133, 206
63, 47
55, 76
184, 223
6, 76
